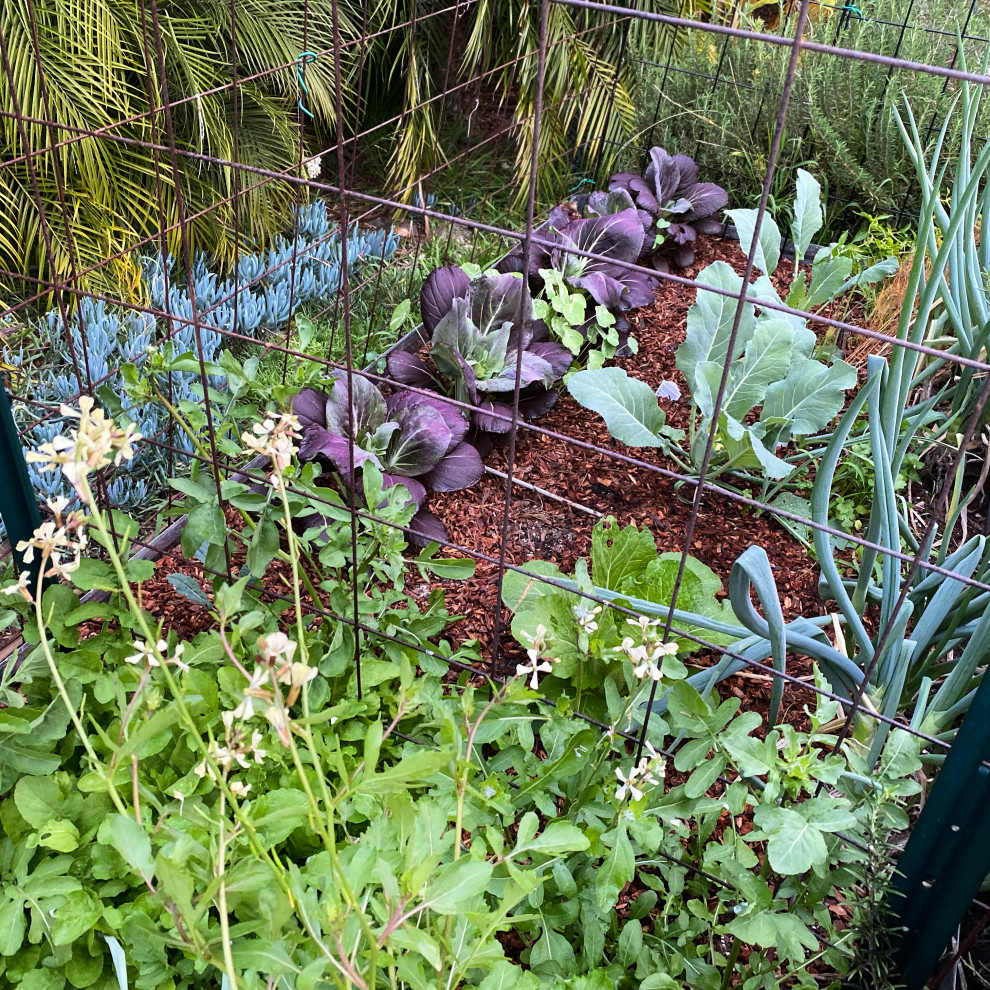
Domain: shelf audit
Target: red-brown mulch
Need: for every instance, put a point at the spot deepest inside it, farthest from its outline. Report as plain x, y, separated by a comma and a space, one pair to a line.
541, 528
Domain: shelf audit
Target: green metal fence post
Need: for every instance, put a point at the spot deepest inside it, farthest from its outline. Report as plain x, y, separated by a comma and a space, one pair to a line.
948, 853
18, 501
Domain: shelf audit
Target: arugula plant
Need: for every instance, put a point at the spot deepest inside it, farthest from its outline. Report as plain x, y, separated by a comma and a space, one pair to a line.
476, 329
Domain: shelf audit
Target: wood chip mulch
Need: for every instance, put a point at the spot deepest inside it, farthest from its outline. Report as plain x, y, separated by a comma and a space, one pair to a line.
541, 528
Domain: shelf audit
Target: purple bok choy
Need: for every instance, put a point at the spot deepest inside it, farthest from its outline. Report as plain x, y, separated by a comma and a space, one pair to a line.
672, 204
415, 441
476, 329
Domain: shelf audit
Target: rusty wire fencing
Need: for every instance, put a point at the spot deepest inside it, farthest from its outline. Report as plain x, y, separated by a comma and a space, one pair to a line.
322, 297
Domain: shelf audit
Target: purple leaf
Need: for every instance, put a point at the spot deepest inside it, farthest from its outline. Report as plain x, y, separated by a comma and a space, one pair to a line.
425, 529
663, 176
441, 288
618, 236
499, 299
367, 407
708, 226
683, 256
535, 406
318, 443
409, 369
531, 369
417, 493
603, 289
460, 468
488, 416
706, 199
309, 406
512, 262
603, 203
556, 355
454, 416
682, 233
688, 169
420, 441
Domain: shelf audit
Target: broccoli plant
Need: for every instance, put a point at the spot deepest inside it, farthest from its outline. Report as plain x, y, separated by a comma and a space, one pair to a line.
776, 389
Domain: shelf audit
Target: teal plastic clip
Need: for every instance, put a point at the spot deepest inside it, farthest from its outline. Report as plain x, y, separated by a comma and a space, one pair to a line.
581, 183
850, 11
303, 59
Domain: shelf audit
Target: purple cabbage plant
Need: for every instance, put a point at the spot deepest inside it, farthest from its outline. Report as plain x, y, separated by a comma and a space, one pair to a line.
414, 440
673, 206
602, 287
476, 328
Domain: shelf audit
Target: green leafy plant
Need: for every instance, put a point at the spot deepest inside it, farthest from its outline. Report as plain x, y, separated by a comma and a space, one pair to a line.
589, 645
776, 390
271, 801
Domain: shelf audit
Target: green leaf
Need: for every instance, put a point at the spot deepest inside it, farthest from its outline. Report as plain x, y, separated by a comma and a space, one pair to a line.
617, 870
452, 568
84, 969
769, 929
767, 358
709, 323
131, 841
768, 246
557, 837
794, 845
13, 923
400, 314
620, 555
809, 397
138, 570
659, 981
416, 940
519, 589
630, 943
267, 958
745, 448
874, 273
189, 588
703, 778
77, 915
456, 885
506, 976
59, 834
552, 953
278, 814
631, 411
264, 546
37, 799
828, 274
206, 525
808, 216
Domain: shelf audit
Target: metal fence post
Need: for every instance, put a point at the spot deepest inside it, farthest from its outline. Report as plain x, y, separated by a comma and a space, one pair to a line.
948, 853
18, 501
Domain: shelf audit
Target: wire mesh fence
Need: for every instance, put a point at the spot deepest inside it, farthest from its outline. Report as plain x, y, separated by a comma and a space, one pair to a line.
750, 368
